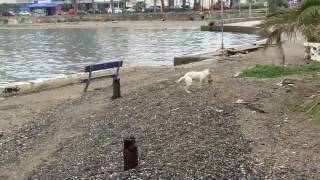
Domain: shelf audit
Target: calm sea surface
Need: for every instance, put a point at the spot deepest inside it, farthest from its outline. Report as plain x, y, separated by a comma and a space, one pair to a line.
49, 53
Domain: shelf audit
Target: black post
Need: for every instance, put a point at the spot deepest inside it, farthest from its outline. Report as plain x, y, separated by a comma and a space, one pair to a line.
116, 88
130, 153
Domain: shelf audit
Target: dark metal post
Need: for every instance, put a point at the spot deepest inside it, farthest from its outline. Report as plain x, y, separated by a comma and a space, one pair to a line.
89, 79
130, 153
116, 88
222, 19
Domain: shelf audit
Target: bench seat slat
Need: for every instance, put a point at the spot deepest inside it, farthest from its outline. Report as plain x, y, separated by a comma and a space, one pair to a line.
102, 66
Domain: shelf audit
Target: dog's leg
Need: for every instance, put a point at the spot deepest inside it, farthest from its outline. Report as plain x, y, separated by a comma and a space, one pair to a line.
186, 90
188, 81
202, 79
209, 79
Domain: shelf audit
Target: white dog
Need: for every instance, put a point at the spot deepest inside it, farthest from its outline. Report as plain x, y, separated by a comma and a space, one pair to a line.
193, 75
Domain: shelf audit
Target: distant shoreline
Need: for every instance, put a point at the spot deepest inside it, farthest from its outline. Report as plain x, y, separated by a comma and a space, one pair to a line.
155, 24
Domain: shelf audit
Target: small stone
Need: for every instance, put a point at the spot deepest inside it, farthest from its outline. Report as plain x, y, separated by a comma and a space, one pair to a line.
236, 75
1, 134
239, 101
219, 110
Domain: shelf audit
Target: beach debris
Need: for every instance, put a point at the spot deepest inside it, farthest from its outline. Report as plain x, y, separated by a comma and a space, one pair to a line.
11, 89
162, 80
279, 84
236, 75
313, 106
315, 146
289, 82
239, 101
98, 88
238, 55
260, 43
130, 153
233, 52
219, 110
254, 108
250, 106
1, 134
311, 97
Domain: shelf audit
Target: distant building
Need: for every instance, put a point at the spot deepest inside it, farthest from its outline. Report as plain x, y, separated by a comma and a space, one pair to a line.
16, 1
148, 2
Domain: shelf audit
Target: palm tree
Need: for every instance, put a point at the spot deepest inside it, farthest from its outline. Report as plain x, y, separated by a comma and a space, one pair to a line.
194, 4
111, 7
184, 4
75, 6
162, 6
304, 19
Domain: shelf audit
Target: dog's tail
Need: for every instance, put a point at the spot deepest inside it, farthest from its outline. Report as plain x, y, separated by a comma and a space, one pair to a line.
182, 78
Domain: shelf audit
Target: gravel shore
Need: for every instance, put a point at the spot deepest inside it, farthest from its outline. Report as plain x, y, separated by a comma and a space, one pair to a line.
180, 136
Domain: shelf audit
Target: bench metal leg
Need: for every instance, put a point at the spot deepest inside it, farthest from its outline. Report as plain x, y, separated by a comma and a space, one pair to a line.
88, 81
116, 88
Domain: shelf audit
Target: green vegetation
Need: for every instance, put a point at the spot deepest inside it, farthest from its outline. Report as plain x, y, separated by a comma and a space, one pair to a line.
271, 71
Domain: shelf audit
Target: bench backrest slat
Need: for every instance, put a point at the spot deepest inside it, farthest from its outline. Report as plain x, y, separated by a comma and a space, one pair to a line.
102, 66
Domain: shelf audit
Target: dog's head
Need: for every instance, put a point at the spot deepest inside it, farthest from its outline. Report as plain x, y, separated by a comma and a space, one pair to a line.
206, 72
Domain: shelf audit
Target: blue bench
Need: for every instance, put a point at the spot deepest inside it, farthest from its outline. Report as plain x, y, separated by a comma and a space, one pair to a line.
102, 66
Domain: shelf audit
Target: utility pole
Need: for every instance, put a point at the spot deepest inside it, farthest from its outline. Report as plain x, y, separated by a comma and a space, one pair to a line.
93, 8
239, 4
111, 6
222, 43
250, 8
266, 5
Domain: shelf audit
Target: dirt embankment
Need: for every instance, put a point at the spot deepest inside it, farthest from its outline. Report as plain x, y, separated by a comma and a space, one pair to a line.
63, 133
